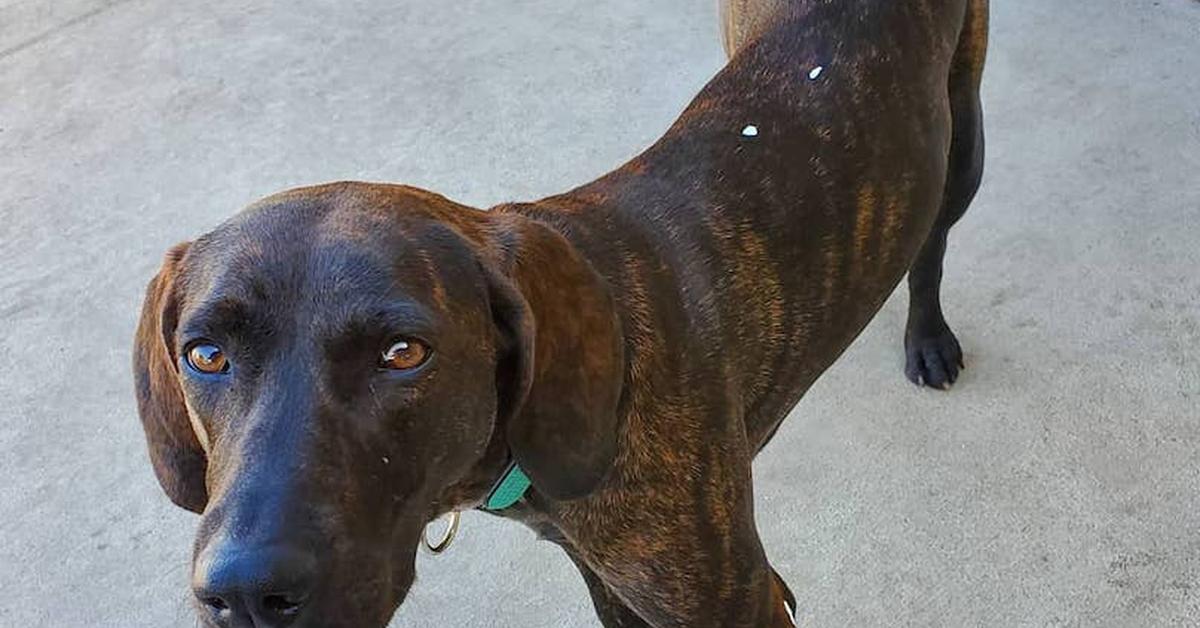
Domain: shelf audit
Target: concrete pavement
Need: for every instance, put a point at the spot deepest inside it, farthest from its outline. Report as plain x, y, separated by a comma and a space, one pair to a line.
1055, 486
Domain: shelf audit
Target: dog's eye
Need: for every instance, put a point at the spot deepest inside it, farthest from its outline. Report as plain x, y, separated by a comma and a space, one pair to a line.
404, 354
206, 357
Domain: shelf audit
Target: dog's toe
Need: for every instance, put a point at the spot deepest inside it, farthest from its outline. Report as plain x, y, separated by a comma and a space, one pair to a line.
933, 361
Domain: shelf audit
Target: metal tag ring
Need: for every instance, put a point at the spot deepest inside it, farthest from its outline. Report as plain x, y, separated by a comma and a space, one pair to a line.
447, 537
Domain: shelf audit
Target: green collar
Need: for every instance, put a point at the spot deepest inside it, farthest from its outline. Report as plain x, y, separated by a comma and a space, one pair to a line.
509, 490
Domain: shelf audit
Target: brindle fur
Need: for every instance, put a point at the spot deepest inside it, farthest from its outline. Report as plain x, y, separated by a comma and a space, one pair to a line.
632, 343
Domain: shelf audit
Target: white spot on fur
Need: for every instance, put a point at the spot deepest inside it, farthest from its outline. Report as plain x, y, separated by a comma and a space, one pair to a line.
750, 131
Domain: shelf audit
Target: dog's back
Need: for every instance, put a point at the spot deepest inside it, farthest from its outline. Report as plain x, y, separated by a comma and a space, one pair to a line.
787, 201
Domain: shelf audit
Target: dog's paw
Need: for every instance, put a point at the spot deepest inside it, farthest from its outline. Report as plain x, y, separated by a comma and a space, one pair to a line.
933, 360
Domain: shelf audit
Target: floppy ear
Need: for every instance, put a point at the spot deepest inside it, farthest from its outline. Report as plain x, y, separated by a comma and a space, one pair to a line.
562, 367
179, 461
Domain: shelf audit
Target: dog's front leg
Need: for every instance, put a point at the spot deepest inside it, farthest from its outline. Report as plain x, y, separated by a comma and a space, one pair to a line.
679, 547
688, 599
611, 610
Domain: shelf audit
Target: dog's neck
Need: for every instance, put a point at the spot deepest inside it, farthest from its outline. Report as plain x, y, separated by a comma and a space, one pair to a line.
473, 489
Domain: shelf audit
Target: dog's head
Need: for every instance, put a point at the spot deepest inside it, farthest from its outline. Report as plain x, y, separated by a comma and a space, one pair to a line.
336, 366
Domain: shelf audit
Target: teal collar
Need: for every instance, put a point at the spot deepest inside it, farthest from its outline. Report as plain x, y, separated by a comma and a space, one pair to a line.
508, 490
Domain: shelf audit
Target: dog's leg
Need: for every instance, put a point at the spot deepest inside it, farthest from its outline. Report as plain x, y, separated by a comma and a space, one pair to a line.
785, 602
743, 612
933, 355
613, 613
692, 560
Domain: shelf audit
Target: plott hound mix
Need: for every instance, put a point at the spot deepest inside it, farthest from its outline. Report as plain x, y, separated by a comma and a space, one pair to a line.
337, 366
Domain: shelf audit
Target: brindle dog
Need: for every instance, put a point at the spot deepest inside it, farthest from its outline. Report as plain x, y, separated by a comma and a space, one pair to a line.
336, 366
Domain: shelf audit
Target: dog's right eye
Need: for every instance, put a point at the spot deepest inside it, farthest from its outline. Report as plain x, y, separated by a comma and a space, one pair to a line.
207, 358
405, 354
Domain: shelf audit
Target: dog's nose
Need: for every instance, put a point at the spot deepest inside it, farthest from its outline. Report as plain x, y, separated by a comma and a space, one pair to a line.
255, 587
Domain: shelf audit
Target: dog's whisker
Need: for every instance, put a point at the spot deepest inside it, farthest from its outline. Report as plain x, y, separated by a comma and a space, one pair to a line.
375, 397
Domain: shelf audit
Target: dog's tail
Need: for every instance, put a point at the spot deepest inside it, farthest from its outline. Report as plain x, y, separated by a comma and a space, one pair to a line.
972, 44
742, 21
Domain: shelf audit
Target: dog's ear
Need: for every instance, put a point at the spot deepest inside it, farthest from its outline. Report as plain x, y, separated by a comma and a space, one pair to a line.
179, 461
561, 365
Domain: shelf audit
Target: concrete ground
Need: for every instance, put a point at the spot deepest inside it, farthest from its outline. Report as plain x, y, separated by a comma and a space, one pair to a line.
1055, 486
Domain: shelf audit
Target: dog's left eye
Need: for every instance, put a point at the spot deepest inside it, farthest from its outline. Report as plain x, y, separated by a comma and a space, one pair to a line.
207, 358
405, 354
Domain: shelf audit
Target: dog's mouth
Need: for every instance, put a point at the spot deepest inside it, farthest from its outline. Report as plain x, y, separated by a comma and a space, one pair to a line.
368, 603
277, 585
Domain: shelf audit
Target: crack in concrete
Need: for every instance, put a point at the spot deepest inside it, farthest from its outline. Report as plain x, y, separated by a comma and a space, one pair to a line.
57, 28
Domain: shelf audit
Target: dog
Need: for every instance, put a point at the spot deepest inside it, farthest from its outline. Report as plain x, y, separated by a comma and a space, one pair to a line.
337, 366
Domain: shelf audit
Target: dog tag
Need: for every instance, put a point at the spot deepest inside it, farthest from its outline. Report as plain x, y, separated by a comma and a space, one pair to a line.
446, 539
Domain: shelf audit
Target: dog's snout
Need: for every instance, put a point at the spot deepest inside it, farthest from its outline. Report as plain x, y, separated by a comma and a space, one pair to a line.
266, 587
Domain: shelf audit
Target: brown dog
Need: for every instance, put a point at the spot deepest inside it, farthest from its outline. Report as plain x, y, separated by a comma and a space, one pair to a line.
336, 366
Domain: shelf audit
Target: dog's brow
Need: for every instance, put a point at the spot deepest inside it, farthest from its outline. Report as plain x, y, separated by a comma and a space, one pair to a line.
397, 317
225, 314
